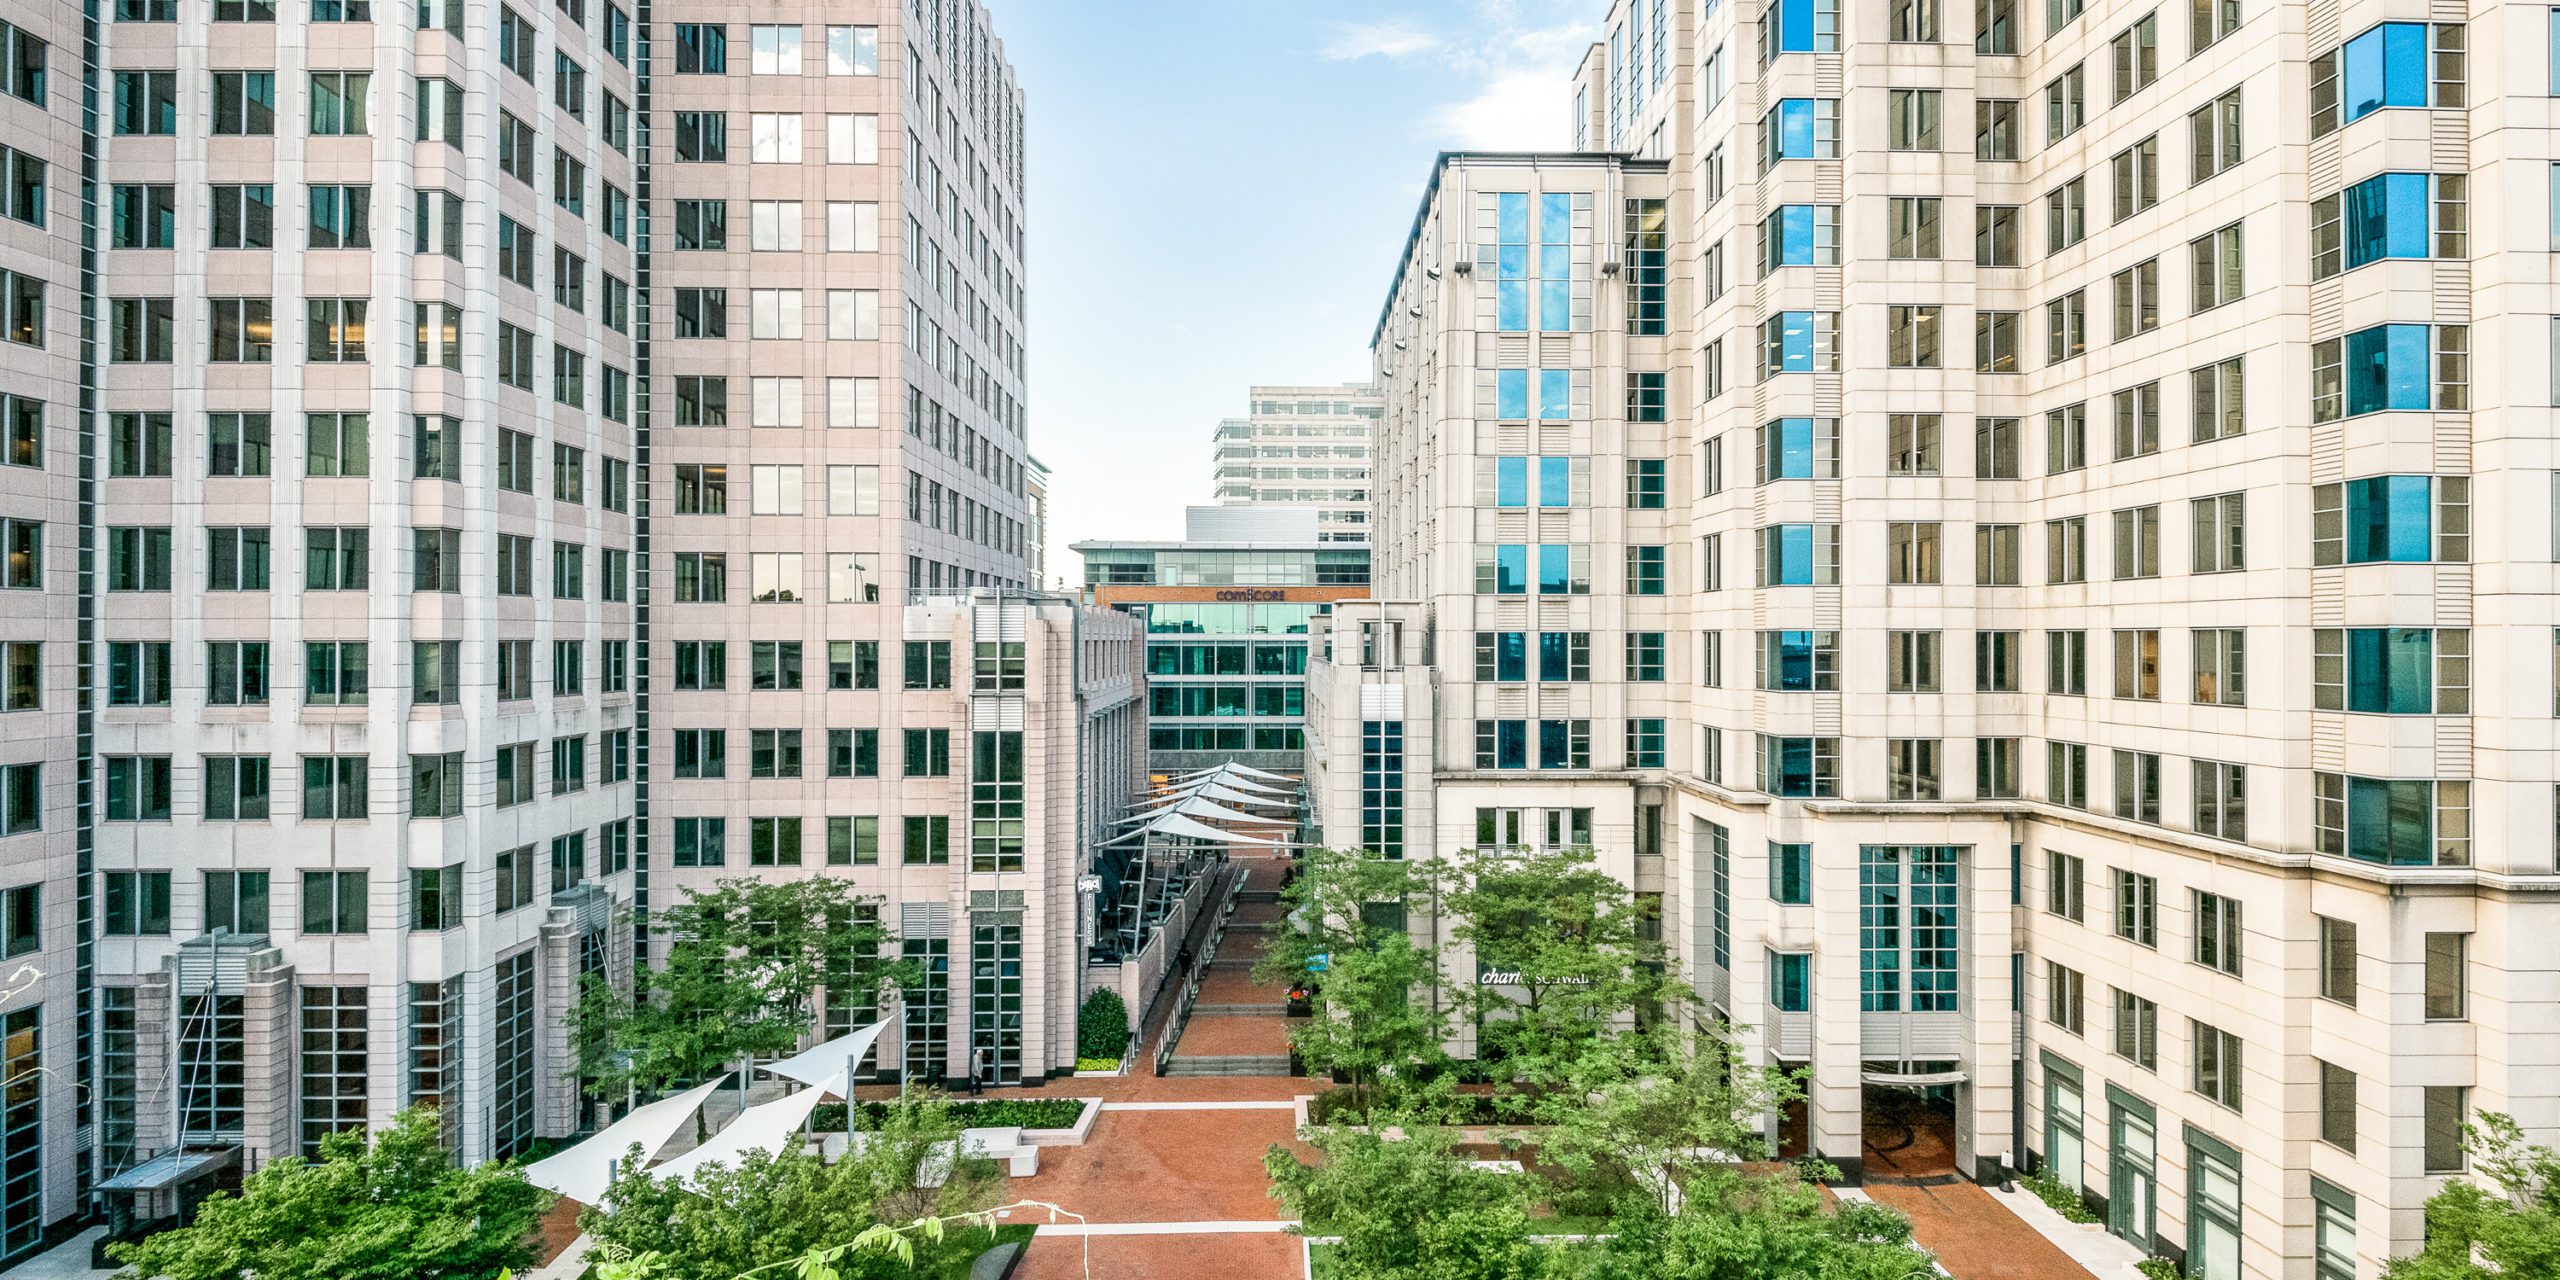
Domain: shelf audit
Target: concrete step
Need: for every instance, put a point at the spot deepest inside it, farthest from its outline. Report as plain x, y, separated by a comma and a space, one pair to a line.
1228, 1065
1240, 1010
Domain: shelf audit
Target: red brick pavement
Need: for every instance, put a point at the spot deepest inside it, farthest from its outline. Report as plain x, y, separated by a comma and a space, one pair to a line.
1197, 1257
1166, 1166
1235, 986
1975, 1236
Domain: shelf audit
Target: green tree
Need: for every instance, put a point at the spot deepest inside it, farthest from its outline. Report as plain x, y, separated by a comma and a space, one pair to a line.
2475, 1234
1564, 958
388, 1207
1410, 1209
1734, 1224
1376, 1016
773, 1210
742, 977
1648, 1115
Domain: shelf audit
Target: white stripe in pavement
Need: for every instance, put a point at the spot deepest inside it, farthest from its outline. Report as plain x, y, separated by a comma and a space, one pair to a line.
1164, 1228
1200, 1106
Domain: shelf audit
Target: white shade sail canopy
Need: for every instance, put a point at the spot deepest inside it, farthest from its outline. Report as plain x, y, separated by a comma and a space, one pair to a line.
1217, 791
583, 1172
1174, 824
1248, 782
822, 1063
766, 1127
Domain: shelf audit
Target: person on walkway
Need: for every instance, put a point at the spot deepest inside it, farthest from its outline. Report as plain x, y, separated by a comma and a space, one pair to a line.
977, 1070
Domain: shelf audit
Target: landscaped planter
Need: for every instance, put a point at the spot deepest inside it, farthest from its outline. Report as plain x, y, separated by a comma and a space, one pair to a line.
1071, 1136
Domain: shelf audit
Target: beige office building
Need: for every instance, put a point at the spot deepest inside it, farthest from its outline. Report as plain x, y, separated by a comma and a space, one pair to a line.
2134, 725
472, 472
1302, 446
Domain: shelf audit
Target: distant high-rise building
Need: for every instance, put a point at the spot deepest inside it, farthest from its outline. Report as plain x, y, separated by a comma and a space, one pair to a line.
444, 520
1035, 492
1303, 446
2129, 730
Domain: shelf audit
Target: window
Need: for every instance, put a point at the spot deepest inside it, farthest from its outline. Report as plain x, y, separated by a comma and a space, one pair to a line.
340, 103
2217, 267
244, 103
1995, 27
2210, 21
2137, 1030
2136, 51
515, 772
243, 330
2391, 518
1911, 769
853, 51
2217, 932
1790, 982
1805, 767
1995, 129
1798, 449
336, 444
2217, 1067
336, 331
1995, 661
2136, 543
1797, 661
2221, 662
1995, 448
2065, 885
333, 787
2137, 907
2066, 322
2337, 960
926, 841
1800, 129
2393, 822
336, 673
1911, 119
2065, 102
236, 559
140, 330
2220, 800
1794, 555
137, 904
2214, 129
1995, 768
2217, 400
853, 139
2066, 439
2394, 64
2066, 215
2337, 1106
137, 674
2137, 779
1799, 26
1911, 552
2065, 995
1796, 235
1911, 336
1995, 239
145, 217
2448, 979
1790, 873
333, 902
1644, 656
235, 673
1645, 572
435, 785
516, 152
2067, 774
1800, 342
335, 559
1912, 223
2390, 215
2446, 1107
2137, 311
1913, 21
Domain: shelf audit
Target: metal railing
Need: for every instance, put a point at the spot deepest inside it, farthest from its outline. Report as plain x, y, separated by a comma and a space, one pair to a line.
1199, 971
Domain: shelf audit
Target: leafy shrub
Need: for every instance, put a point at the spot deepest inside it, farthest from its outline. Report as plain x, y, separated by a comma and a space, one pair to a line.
2158, 1269
1102, 1025
2061, 1199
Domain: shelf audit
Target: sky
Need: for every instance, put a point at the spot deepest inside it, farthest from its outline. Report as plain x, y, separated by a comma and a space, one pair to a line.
1219, 192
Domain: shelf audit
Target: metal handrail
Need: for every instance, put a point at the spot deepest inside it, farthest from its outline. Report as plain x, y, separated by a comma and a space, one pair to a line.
1198, 973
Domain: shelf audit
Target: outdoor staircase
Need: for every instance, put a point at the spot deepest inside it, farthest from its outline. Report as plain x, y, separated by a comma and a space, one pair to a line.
1228, 1065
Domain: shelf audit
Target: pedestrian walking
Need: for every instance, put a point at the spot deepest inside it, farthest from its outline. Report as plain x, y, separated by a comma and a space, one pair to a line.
977, 1070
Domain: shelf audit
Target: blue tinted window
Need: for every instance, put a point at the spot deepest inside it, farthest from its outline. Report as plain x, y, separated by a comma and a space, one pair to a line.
2391, 822
2384, 67
1555, 394
1555, 569
2389, 519
1511, 482
1790, 983
1791, 872
1555, 655
1791, 449
2391, 671
1511, 570
2386, 368
1510, 744
1511, 262
1791, 766
1510, 655
1510, 394
1555, 745
1791, 555
1794, 19
1791, 129
1792, 671
1791, 236
1555, 263
1512, 217
1555, 482
1792, 344
2385, 217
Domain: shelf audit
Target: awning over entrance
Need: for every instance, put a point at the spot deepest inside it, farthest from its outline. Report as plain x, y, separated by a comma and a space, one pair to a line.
175, 1168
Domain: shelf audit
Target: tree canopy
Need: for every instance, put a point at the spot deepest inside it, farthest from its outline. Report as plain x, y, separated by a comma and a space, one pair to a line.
742, 975
2474, 1233
1375, 1020
391, 1206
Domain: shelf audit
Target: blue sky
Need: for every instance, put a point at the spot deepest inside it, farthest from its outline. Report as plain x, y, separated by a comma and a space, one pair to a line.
1219, 189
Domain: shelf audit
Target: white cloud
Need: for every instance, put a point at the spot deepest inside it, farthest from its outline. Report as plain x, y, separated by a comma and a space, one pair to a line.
1380, 39
1516, 110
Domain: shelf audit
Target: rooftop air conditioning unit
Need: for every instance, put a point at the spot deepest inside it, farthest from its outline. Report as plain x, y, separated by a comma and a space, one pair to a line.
1463, 267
